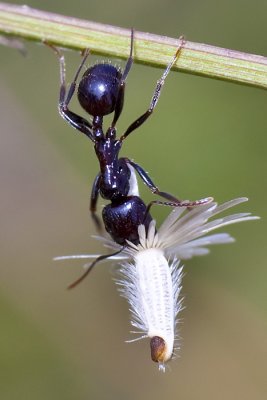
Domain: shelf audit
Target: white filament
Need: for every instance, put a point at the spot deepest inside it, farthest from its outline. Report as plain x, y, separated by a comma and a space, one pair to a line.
152, 288
150, 282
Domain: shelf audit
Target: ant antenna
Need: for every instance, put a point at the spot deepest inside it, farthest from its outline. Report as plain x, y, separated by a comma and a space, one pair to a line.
91, 266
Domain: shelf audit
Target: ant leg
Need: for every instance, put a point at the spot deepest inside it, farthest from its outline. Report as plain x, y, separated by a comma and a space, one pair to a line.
149, 183
174, 202
73, 84
120, 101
186, 204
129, 62
93, 202
91, 266
63, 98
139, 121
73, 119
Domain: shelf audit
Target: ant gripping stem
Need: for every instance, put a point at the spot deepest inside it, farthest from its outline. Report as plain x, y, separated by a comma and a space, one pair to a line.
100, 92
155, 97
92, 82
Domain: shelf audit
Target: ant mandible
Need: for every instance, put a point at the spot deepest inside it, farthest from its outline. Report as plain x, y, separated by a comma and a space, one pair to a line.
101, 92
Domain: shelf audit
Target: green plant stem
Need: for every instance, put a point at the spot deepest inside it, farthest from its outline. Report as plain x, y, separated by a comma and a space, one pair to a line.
196, 58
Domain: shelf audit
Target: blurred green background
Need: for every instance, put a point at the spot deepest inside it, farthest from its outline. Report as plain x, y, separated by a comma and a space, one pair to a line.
206, 138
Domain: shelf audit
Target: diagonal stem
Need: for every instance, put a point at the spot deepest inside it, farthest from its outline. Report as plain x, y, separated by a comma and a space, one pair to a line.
196, 58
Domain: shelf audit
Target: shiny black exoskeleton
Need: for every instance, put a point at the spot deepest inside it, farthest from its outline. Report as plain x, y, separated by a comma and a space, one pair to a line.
101, 92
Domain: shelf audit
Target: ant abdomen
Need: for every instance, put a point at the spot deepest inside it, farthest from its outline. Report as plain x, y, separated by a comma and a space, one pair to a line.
99, 89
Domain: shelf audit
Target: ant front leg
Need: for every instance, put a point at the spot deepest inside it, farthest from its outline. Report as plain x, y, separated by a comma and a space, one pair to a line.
65, 97
150, 184
186, 204
173, 201
139, 121
93, 203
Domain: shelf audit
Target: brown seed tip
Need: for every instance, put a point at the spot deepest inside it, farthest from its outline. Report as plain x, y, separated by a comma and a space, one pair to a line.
158, 349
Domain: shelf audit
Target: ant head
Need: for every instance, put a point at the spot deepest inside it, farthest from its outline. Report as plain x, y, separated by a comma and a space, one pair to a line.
99, 89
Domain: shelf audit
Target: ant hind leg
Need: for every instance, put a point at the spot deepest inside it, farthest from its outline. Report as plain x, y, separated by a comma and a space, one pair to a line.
156, 94
65, 96
120, 99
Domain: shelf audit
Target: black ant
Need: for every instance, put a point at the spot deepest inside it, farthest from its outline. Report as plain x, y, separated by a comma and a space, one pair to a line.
101, 92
